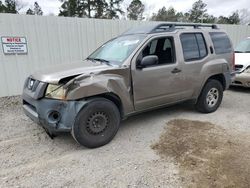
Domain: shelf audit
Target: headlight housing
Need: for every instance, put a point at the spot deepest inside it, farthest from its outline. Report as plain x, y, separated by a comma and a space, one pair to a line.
55, 92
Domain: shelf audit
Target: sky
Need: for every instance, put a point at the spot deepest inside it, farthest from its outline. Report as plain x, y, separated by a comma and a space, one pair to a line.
214, 7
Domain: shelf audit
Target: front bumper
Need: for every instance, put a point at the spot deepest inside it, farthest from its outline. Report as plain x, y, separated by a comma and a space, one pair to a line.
54, 115
242, 79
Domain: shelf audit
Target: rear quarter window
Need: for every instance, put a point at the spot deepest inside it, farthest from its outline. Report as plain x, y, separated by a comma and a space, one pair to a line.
221, 42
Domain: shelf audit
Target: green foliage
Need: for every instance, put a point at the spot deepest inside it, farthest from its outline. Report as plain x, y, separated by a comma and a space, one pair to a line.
37, 10
135, 10
113, 9
11, 6
70, 8
232, 19
170, 15
99, 8
91, 8
30, 12
209, 19
2, 7
198, 12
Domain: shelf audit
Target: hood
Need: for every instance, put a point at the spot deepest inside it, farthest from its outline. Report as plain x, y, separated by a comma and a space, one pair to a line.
242, 59
54, 74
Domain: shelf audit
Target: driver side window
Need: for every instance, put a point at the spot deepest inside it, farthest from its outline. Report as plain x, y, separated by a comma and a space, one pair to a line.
163, 48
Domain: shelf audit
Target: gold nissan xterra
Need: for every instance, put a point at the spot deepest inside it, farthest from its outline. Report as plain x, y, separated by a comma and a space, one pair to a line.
144, 68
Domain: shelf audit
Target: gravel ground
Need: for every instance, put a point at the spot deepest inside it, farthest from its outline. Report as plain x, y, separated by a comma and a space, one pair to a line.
143, 154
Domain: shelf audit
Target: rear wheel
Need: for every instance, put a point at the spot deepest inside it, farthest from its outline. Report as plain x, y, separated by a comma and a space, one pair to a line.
210, 97
97, 123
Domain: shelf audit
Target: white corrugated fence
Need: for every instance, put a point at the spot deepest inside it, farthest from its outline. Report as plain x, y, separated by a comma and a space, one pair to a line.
53, 40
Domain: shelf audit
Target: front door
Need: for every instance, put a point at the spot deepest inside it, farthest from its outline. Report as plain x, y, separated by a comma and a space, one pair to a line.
161, 83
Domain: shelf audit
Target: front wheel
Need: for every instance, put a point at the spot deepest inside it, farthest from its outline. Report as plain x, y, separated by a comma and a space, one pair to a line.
210, 97
97, 123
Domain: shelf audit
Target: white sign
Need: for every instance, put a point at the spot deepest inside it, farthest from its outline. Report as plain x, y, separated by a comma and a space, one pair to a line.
14, 45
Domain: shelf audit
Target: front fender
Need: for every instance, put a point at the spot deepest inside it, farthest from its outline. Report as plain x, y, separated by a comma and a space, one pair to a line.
102, 84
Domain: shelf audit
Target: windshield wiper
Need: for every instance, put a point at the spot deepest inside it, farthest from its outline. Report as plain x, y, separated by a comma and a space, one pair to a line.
238, 52
99, 59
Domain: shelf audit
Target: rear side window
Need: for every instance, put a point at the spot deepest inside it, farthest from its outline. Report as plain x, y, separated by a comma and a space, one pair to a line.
222, 44
194, 46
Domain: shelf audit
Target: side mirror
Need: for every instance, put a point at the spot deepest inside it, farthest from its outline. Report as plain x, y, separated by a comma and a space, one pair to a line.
148, 61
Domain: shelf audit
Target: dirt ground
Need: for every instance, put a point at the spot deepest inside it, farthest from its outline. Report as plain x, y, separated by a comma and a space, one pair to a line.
171, 147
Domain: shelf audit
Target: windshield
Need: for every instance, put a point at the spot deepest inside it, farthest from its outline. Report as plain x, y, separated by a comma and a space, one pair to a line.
116, 51
243, 47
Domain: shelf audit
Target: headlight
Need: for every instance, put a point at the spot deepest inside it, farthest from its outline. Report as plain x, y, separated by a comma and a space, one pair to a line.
55, 92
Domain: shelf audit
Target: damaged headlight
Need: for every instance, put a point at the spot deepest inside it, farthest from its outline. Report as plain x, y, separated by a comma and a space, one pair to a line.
55, 92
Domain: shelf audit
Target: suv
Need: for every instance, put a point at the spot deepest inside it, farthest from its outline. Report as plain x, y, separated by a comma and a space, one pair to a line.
144, 68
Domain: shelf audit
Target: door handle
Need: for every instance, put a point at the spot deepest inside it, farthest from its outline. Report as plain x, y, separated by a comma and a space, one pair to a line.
176, 70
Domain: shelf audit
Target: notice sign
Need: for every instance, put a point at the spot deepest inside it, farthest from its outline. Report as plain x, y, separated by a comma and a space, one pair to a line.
14, 45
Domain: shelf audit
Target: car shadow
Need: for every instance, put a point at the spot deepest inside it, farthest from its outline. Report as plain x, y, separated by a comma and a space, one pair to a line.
239, 89
158, 113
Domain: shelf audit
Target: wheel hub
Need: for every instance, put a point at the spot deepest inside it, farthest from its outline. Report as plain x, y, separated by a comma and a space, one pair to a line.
212, 97
97, 123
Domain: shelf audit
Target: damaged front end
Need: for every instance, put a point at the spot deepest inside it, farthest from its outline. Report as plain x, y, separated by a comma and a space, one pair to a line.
52, 111
55, 106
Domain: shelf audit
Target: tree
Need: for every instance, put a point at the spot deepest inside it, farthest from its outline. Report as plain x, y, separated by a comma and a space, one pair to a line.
209, 19
11, 6
36, 11
91, 8
198, 12
113, 8
244, 16
70, 8
169, 15
77, 8
99, 8
234, 18
135, 10
2, 7
30, 12
223, 20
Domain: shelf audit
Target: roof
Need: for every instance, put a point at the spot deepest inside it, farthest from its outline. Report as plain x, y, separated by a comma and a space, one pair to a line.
165, 27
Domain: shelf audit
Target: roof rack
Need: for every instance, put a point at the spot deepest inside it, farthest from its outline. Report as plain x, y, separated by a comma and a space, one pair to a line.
167, 27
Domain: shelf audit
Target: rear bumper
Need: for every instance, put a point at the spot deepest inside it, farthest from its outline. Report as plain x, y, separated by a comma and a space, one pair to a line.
54, 115
242, 79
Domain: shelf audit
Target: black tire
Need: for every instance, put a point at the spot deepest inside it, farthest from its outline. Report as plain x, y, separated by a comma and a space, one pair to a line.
205, 102
97, 123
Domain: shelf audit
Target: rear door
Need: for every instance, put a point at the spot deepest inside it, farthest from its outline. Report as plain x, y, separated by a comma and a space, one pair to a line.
194, 52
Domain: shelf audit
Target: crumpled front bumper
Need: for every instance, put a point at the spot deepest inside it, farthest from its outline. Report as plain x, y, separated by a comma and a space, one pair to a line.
54, 115
242, 79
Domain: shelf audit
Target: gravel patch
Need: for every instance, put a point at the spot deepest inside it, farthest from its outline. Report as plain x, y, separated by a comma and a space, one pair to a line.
29, 158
